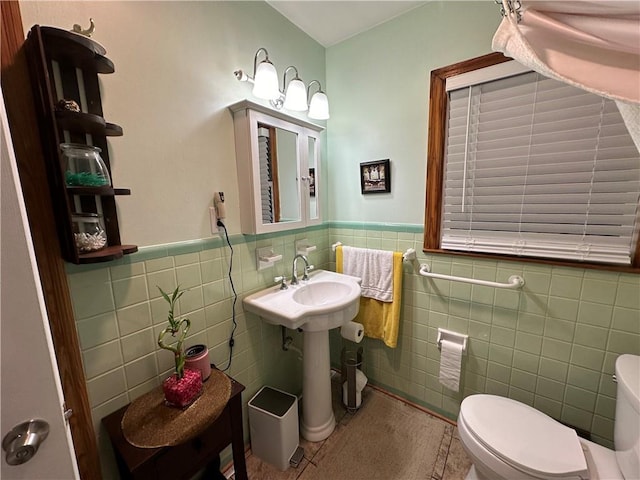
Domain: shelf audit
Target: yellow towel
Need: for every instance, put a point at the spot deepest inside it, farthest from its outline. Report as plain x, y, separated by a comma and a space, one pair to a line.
380, 319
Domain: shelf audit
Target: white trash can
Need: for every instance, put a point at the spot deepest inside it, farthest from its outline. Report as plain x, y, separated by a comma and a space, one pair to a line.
273, 426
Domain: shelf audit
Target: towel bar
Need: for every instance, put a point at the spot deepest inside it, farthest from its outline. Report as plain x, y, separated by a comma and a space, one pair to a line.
407, 256
515, 281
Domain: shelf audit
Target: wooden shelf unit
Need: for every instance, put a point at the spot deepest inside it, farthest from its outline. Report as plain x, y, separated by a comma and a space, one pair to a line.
65, 65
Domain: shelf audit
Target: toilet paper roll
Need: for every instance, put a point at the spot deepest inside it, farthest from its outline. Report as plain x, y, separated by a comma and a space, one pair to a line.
450, 364
361, 380
353, 331
345, 396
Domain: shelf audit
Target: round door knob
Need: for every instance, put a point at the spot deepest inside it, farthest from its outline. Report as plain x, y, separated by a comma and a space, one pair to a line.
22, 443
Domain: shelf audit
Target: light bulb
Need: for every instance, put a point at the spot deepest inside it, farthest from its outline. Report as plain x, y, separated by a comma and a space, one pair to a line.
319, 106
296, 96
266, 81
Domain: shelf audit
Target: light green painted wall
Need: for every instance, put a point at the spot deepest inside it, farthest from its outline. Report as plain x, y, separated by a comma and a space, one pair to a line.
378, 84
173, 80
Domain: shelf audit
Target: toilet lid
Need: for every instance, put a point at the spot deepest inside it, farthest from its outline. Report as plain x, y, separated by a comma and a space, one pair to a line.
524, 437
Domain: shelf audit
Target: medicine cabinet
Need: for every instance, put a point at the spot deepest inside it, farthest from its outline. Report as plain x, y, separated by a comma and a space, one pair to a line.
279, 169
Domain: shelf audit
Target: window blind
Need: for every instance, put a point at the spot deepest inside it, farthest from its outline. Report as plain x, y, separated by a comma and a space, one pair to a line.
535, 167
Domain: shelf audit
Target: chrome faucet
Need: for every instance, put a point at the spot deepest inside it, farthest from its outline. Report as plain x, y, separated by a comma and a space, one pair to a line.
294, 273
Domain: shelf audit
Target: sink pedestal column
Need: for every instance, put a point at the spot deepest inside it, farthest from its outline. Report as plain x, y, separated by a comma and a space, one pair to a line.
318, 420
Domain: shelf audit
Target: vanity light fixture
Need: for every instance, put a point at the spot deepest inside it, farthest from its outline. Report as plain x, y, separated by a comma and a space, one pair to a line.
293, 96
319, 104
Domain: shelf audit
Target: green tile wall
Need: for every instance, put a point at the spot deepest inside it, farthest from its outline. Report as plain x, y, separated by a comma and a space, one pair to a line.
551, 345
119, 313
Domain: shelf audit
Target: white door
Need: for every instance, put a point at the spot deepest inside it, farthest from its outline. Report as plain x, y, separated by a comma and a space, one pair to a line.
30, 386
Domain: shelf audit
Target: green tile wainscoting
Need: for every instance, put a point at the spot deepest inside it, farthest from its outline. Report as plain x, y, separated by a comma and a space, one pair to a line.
119, 313
551, 345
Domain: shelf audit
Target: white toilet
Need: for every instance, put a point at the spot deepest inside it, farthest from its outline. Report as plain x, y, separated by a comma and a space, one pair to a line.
509, 440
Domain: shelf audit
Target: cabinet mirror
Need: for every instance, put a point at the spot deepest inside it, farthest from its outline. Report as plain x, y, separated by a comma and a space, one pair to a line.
313, 155
278, 165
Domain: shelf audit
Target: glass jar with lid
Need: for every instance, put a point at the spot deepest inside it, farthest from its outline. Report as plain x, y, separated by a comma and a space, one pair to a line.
88, 234
83, 166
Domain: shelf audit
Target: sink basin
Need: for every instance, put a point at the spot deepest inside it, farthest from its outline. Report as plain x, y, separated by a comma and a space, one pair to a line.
321, 293
327, 300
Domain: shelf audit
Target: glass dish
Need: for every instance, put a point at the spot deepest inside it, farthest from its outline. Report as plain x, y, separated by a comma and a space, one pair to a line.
88, 234
84, 167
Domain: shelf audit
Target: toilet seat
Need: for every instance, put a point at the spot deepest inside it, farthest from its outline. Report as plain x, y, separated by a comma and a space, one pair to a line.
524, 437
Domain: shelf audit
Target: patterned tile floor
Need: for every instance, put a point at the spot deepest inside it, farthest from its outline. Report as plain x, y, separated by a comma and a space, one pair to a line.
451, 463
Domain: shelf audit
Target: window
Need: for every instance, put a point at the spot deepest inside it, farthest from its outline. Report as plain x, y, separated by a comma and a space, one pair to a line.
526, 166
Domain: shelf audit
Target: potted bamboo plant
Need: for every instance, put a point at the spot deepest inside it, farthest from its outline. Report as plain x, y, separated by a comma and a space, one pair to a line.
185, 385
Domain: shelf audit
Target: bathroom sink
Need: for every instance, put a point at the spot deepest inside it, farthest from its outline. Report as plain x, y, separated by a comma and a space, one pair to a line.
327, 300
321, 293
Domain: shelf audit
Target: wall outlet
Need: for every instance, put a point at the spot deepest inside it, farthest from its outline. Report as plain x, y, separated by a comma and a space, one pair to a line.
213, 217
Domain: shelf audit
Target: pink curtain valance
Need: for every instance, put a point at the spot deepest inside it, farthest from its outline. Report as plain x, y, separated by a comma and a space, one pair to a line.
593, 45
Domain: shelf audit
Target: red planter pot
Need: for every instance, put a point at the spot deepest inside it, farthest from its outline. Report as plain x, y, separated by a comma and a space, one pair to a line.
183, 392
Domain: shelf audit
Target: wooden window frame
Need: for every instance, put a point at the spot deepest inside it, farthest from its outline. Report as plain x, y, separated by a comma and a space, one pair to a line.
438, 102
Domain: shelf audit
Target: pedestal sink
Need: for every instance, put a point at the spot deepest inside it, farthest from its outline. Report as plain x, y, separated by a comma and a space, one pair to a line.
327, 300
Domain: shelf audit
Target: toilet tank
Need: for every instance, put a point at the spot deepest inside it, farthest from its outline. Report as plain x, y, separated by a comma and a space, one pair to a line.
627, 424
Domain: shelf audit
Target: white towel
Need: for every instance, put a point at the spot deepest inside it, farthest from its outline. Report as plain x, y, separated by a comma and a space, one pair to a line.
374, 267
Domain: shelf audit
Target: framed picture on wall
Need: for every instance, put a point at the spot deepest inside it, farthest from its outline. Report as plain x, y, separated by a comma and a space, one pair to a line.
375, 177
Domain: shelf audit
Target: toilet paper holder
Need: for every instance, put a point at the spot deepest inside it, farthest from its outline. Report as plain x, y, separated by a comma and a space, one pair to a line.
454, 337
